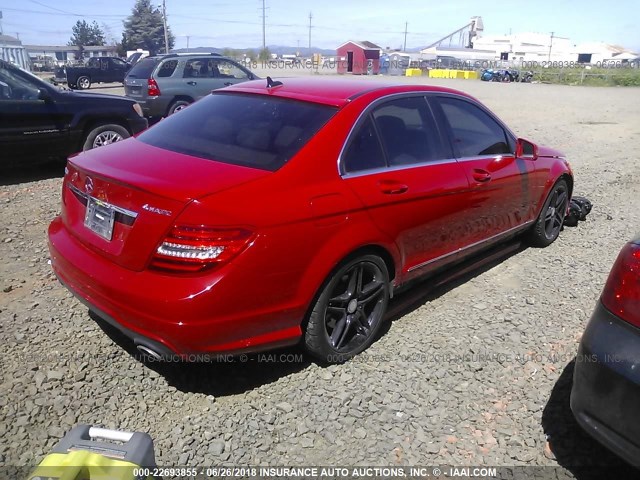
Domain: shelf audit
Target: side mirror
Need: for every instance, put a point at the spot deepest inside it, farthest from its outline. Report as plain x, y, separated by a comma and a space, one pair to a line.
43, 94
526, 149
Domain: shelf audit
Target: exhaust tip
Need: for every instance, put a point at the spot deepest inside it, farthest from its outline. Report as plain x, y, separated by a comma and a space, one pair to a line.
149, 353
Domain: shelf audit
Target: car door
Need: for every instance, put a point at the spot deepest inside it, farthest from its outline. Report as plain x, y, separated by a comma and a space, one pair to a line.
197, 79
399, 165
206, 74
93, 68
31, 127
117, 70
229, 73
500, 184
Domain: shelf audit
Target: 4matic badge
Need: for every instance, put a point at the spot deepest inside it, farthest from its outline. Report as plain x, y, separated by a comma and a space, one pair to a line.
160, 211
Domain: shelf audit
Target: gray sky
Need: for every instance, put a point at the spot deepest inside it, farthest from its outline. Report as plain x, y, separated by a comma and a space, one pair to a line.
225, 23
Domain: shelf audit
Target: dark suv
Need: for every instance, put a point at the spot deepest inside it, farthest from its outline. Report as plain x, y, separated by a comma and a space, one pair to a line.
164, 84
39, 121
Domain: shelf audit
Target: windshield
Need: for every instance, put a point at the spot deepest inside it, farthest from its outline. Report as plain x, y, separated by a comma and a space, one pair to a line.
18, 84
143, 68
250, 130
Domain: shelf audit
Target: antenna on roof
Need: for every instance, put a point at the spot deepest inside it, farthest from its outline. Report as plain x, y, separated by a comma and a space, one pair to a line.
273, 83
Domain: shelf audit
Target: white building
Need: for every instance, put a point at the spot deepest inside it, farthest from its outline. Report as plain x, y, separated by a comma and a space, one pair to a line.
598, 52
12, 51
530, 47
69, 53
542, 47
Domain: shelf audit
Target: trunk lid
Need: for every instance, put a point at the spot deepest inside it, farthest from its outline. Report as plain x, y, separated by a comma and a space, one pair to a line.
135, 87
122, 199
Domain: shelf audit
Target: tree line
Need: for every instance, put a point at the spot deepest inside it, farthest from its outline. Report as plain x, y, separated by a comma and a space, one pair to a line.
143, 29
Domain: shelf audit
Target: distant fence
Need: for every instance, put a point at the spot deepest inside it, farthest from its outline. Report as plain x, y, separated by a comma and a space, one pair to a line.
626, 77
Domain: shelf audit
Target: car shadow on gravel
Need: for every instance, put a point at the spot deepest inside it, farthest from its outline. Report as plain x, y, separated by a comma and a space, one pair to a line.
35, 173
573, 448
232, 375
425, 291
223, 375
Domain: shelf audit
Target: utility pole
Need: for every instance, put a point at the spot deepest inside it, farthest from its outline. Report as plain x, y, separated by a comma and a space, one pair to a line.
264, 35
164, 22
0, 22
550, 45
188, 37
310, 17
406, 24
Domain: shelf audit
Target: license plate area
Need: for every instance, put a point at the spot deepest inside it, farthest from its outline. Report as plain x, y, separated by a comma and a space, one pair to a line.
99, 218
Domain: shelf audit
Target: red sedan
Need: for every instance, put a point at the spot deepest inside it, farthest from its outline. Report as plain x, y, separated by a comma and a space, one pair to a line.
267, 213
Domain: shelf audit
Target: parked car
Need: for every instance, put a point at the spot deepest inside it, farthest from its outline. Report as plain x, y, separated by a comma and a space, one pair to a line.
165, 84
263, 215
95, 70
136, 56
606, 378
39, 121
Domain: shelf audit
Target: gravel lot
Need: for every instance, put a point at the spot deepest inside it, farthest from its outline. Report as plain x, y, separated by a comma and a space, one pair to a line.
473, 373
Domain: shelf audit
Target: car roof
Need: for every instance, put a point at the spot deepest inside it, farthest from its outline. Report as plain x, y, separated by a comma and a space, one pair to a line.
335, 92
187, 54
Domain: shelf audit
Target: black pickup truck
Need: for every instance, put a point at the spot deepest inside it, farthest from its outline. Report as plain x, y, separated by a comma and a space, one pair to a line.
95, 70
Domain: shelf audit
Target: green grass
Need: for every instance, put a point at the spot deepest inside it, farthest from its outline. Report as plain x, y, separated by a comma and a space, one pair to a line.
599, 77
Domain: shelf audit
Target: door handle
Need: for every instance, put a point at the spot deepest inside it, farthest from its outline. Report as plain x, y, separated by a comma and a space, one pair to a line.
227, 84
192, 83
392, 188
480, 175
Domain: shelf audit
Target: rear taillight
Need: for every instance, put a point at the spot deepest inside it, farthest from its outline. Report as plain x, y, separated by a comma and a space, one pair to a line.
621, 294
190, 249
152, 88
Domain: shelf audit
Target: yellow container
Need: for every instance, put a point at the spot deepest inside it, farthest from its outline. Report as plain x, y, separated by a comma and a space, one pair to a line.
94, 453
471, 75
435, 73
413, 72
459, 73
81, 465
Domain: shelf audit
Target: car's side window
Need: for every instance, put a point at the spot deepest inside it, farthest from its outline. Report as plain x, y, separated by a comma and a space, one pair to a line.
473, 131
167, 68
364, 151
194, 68
408, 131
226, 69
14, 87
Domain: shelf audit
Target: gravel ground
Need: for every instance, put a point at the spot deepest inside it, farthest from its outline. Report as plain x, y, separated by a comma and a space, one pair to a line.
474, 373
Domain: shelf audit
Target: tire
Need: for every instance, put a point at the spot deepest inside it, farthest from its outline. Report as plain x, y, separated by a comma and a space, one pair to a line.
549, 223
177, 105
83, 83
349, 311
104, 135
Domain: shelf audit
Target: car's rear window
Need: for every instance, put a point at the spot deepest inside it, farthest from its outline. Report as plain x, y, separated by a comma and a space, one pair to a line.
250, 130
143, 68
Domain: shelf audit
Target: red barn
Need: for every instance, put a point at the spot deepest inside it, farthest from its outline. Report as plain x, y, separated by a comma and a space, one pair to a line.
359, 58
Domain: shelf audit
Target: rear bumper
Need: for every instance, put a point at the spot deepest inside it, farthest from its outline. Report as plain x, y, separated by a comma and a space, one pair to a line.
606, 384
172, 314
152, 107
138, 124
